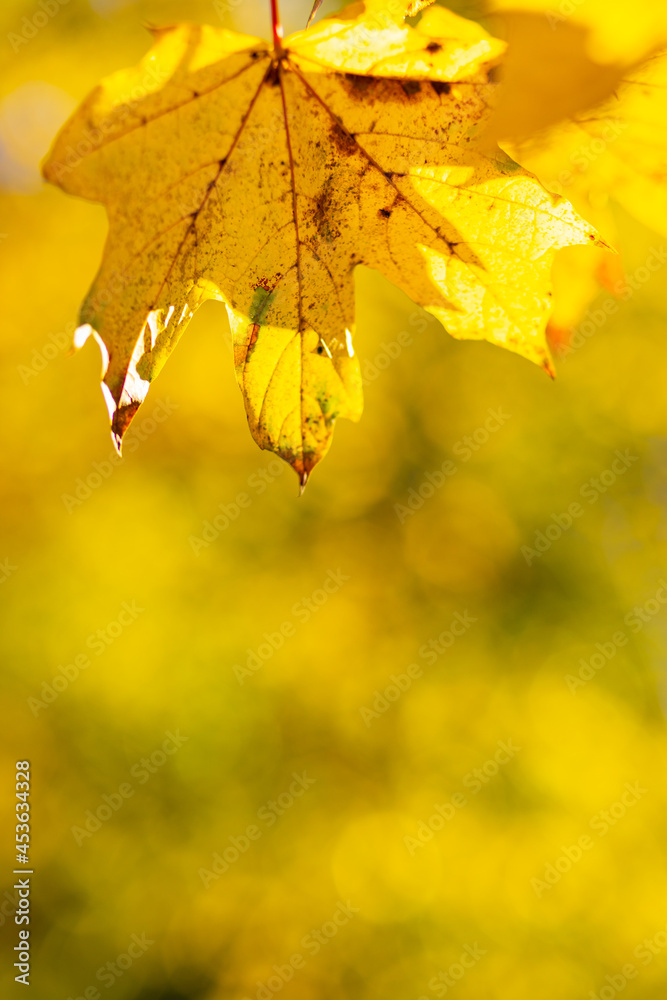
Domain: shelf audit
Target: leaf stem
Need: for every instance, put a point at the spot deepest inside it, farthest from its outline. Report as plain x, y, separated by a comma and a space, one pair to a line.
277, 29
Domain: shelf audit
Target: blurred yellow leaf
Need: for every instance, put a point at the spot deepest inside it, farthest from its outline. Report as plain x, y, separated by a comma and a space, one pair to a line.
618, 31
577, 280
547, 75
617, 149
262, 177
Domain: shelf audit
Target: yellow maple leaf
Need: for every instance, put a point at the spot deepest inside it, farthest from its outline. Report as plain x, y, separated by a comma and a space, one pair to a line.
262, 175
615, 150
618, 148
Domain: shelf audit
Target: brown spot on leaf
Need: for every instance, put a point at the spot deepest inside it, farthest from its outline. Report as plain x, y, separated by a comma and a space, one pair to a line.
342, 140
358, 82
385, 213
411, 87
325, 213
434, 47
121, 420
254, 334
441, 87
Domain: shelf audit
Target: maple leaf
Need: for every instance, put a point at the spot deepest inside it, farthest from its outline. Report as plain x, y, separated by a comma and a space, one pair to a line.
617, 150
262, 175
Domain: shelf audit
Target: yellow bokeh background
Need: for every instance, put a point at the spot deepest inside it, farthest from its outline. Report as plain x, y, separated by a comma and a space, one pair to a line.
203, 657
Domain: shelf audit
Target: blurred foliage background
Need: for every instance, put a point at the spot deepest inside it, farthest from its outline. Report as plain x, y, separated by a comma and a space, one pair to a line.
479, 880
